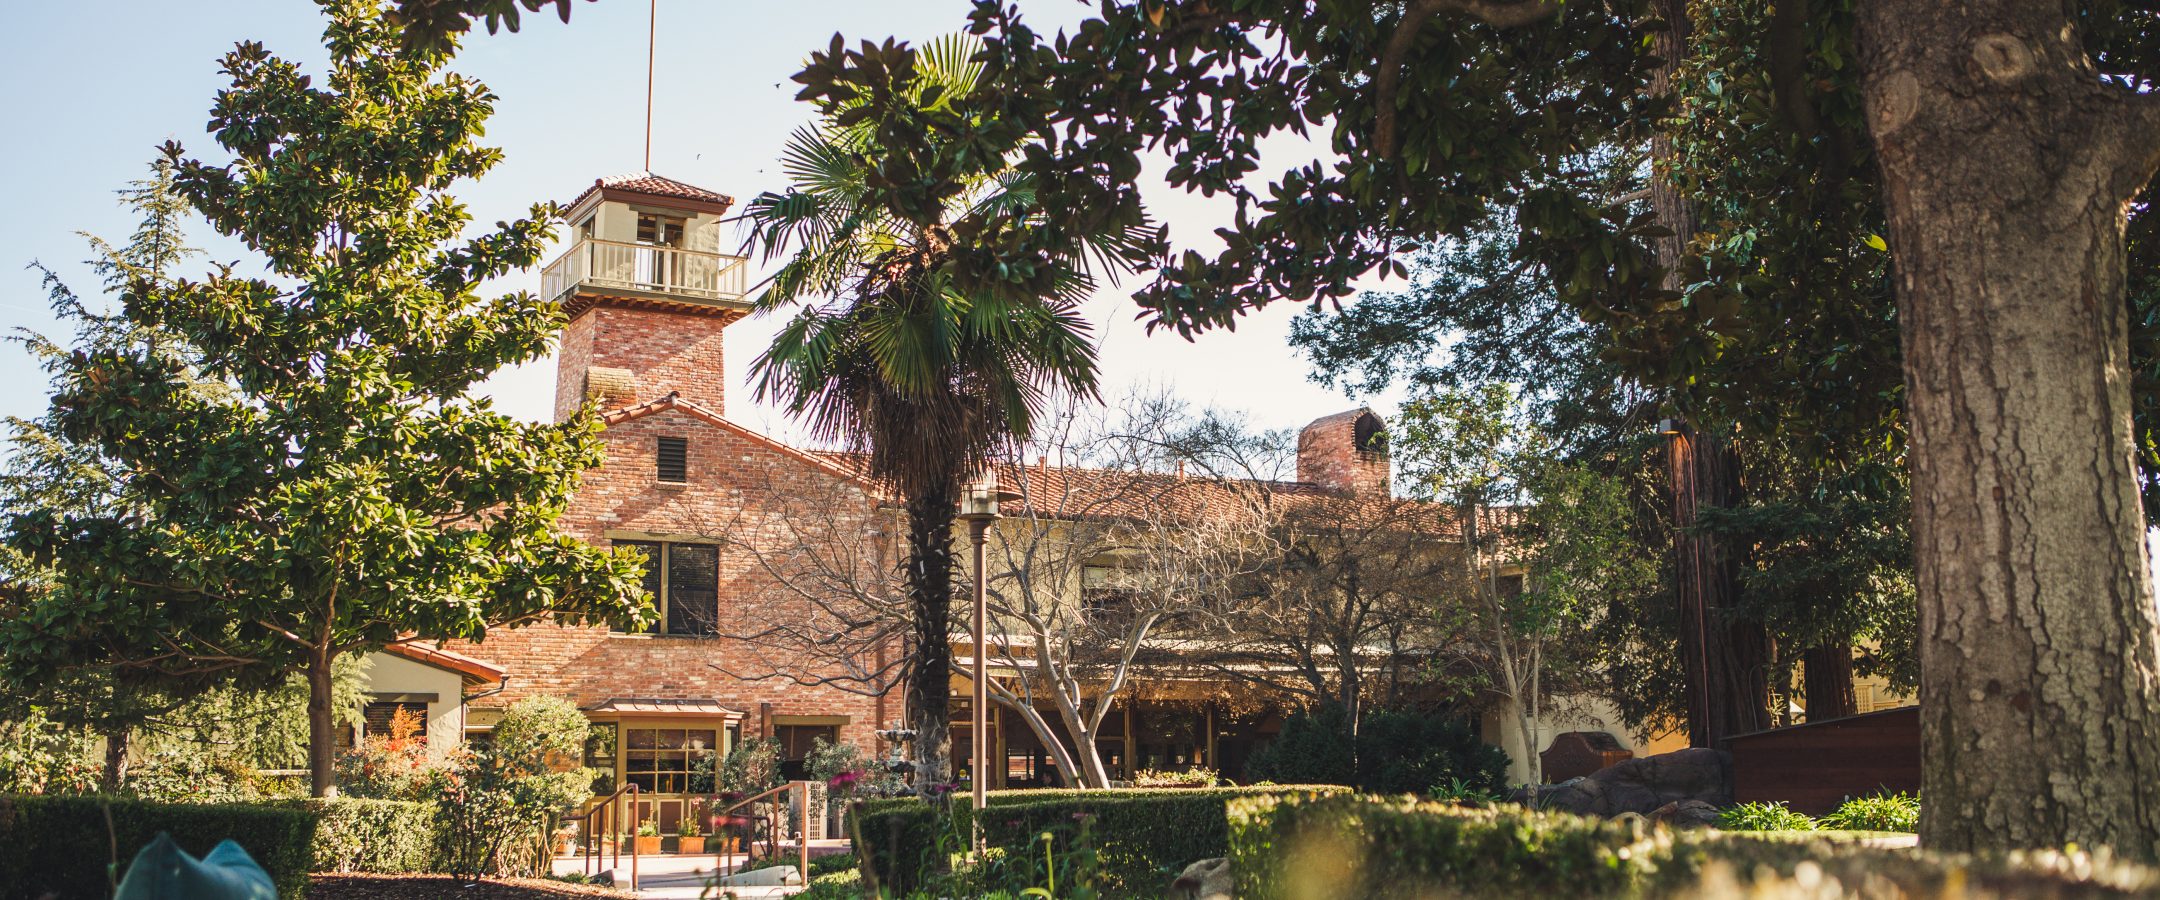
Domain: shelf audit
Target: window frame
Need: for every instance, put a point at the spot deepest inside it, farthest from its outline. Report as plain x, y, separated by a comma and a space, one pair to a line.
659, 580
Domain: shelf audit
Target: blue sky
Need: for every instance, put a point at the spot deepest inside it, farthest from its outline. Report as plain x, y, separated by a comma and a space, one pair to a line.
93, 87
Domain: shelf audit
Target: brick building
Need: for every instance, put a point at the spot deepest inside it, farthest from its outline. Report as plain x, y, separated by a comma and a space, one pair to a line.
648, 297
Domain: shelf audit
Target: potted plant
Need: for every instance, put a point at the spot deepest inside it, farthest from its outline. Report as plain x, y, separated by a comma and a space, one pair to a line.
689, 838
648, 837
565, 838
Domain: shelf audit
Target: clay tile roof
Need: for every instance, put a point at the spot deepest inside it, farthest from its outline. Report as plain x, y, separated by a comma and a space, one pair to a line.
1072, 492
651, 185
474, 670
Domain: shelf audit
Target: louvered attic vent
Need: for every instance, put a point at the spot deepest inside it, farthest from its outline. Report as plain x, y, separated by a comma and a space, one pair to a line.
674, 459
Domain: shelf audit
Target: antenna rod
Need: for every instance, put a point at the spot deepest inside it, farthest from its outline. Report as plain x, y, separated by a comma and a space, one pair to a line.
652, 31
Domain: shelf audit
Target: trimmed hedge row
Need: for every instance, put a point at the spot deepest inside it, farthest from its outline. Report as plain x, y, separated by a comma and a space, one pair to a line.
1324, 848
1139, 837
374, 836
62, 845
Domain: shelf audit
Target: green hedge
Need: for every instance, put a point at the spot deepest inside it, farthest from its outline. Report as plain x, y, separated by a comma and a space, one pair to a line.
1335, 848
378, 836
63, 846
1139, 838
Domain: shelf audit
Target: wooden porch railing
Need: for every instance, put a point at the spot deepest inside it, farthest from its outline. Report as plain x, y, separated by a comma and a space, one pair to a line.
772, 825
604, 812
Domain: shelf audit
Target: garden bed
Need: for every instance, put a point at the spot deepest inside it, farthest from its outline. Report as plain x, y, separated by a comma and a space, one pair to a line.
433, 887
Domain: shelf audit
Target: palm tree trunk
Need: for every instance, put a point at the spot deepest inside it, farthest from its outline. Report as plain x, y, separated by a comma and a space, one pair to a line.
931, 513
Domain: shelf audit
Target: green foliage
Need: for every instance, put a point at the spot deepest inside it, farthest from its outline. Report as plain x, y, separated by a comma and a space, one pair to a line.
63, 845
357, 835
1123, 842
40, 756
752, 767
1763, 817
1198, 778
346, 486
1314, 747
1407, 753
494, 806
1322, 848
1882, 812
849, 773
1395, 752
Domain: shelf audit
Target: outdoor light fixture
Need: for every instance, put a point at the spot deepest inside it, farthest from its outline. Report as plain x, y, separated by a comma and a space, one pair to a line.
1668, 426
979, 507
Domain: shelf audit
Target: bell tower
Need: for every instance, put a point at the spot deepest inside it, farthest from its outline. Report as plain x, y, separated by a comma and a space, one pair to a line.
647, 293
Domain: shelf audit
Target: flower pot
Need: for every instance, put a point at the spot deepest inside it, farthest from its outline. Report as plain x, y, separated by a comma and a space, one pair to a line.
647, 845
694, 843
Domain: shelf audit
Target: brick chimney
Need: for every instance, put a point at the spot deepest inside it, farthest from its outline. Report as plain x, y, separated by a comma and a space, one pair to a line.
1346, 452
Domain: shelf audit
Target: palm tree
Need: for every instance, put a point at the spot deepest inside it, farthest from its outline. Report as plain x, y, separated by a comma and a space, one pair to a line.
897, 350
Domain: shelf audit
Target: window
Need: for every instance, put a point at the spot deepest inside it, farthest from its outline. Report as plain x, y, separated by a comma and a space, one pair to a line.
673, 458
796, 742
684, 581
382, 720
664, 760
660, 231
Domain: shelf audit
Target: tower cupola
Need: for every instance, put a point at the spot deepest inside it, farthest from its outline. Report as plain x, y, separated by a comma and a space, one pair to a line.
647, 293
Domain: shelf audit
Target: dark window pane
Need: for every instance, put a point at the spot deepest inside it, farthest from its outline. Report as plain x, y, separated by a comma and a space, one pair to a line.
693, 589
652, 571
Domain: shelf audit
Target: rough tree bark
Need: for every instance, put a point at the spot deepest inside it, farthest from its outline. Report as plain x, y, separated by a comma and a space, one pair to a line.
2007, 168
1826, 679
930, 589
1728, 655
322, 725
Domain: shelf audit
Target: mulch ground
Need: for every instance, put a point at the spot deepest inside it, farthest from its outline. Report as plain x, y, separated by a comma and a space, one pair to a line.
438, 887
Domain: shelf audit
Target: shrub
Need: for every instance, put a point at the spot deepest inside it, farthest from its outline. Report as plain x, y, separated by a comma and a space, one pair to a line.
1116, 841
1763, 817
752, 767
391, 766
1321, 848
378, 836
1393, 753
1150, 778
1314, 747
494, 806
1882, 812
1409, 753
63, 845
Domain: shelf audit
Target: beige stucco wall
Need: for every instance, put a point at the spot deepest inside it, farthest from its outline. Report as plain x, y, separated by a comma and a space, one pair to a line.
1574, 713
391, 675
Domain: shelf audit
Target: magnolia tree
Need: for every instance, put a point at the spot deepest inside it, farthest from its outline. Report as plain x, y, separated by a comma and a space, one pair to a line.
344, 489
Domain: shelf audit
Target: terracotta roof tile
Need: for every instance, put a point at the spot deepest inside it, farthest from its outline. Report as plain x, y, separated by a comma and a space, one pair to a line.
652, 185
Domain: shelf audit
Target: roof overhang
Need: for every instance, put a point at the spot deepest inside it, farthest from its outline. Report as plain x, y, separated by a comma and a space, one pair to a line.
477, 673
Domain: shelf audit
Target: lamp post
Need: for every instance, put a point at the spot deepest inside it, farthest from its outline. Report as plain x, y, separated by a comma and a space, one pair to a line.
979, 507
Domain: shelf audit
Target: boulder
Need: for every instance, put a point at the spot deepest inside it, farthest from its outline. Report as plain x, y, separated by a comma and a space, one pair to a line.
1208, 879
1686, 814
1644, 785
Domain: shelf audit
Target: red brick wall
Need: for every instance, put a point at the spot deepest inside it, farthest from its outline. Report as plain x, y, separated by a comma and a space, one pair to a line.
667, 351
740, 488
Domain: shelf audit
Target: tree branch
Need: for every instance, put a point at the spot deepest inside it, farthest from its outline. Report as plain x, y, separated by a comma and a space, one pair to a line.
1389, 77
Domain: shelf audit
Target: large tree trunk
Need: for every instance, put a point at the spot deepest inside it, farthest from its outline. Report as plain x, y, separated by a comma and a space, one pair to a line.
1722, 655
116, 758
2007, 166
1826, 678
930, 590
1727, 654
322, 725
